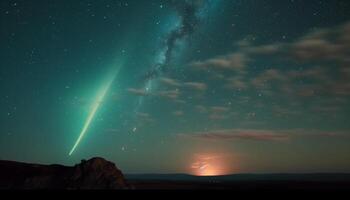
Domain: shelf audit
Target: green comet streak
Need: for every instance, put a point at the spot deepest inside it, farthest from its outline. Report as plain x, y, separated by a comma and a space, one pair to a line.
95, 108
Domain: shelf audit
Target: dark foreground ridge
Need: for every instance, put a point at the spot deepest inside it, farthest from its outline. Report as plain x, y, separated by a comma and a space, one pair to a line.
244, 182
96, 173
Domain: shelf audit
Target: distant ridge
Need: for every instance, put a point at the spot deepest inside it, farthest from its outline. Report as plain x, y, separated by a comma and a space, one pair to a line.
243, 177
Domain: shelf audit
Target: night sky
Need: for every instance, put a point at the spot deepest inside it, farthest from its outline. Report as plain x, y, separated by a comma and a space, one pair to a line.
205, 87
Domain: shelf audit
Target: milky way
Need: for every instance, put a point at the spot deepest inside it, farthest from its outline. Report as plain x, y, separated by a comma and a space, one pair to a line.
187, 11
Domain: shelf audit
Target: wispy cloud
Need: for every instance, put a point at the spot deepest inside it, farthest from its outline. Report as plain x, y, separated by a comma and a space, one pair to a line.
214, 112
216, 116
236, 83
171, 94
313, 50
196, 86
280, 111
178, 113
267, 77
201, 109
233, 62
219, 109
258, 135
324, 44
191, 85
268, 49
232, 134
180, 101
171, 82
218, 113
138, 92
145, 117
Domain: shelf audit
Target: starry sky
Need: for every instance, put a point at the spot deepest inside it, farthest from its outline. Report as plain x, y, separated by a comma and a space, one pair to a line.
205, 87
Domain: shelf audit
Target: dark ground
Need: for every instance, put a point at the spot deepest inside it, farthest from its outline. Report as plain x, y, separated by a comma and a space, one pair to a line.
100, 174
242, 186
266, 182
93, 174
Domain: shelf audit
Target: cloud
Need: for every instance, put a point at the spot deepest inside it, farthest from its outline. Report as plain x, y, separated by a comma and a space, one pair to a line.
267, 77
313, 67
143, 115
329, 47
219, 109
316, 73
172, 94
196, 86
218, 113
340, 88
259, 135
268, 49
236, 83
179, 101
169, 94
315, 81
233, 62
144, 118
178, 113
138, 92
214, 112
326, 109
233, 134
327, 44
190, 85
280, 111
216, 116
323, 45
171, 82
201, 109
307, 91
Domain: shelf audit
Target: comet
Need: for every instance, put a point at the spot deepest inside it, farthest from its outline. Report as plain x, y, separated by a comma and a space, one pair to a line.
96, 105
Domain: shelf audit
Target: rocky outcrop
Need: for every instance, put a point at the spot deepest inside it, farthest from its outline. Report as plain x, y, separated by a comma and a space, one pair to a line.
96, 173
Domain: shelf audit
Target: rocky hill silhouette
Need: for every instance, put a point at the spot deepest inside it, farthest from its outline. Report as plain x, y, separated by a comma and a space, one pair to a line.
96, 173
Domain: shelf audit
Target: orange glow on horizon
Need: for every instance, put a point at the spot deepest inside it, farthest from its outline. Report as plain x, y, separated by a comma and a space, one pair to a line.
211, 165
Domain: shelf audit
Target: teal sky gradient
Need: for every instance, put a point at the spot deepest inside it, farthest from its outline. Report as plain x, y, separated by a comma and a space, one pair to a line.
253, 86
